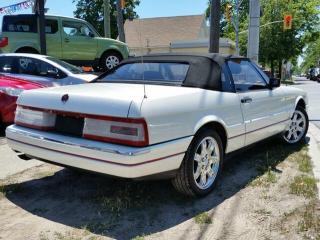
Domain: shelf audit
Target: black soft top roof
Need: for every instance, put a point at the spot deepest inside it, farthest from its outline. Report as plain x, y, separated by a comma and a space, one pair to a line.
204, 72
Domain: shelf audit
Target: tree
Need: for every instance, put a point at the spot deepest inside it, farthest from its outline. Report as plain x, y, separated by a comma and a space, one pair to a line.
92, 11
311, 55
227, 28
277, 44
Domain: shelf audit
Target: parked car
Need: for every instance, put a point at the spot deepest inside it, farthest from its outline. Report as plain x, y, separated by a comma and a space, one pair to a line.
73, 40
10, 89
174, 115
46, 70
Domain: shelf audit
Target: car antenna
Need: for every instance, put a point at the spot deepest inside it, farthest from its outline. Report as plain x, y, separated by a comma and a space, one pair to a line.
141, 49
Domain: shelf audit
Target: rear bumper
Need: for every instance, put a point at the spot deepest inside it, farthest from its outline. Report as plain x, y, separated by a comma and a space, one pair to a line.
111, 159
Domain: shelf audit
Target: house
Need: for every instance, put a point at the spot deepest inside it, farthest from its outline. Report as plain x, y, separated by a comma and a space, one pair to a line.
171, 34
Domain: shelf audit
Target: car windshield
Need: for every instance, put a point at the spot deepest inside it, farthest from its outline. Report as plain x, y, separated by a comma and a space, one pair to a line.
66, 65
150, 72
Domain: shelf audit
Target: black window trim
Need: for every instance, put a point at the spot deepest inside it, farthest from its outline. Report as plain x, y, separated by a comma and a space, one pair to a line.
254, 67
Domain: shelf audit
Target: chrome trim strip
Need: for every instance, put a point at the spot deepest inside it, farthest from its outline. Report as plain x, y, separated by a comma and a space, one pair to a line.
135, 152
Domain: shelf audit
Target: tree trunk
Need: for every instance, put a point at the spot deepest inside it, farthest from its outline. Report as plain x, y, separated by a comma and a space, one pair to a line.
280, 68
272, 68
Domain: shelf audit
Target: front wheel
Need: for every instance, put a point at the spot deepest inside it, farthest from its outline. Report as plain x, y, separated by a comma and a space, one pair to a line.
201, 166
298, 127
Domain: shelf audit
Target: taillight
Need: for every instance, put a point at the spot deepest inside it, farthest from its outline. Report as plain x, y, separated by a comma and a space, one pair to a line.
4, 42
133, 132
34, 119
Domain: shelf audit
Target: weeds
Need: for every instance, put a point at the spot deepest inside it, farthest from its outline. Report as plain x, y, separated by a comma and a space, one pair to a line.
304, 185
203, 218
310, 220
138, 238
265, 180
305, 164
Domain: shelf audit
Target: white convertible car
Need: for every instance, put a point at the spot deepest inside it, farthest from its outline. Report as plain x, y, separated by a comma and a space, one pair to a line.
171, 115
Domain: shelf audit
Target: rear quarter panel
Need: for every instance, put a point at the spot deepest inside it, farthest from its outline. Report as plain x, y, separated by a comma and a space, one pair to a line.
176, 112
20, 39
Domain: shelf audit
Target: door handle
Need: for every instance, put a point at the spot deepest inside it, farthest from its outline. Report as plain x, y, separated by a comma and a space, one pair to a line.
67, 40
246, 100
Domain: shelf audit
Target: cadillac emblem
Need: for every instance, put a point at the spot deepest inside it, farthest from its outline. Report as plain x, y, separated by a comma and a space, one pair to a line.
65, 98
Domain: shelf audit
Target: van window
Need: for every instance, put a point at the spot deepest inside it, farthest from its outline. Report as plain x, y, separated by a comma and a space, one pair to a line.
76, 29
20, 23
51, 26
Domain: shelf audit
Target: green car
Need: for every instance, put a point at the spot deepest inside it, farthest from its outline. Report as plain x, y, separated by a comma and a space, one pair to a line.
70, 39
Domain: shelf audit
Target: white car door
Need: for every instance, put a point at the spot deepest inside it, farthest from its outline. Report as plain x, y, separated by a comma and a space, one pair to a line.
264, 109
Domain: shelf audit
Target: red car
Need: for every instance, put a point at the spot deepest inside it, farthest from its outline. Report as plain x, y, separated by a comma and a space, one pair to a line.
10, 89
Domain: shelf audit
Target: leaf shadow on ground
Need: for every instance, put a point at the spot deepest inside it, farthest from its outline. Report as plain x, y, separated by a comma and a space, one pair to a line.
124, 209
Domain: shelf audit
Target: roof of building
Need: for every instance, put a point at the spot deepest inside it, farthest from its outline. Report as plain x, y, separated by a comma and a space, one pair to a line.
162, 31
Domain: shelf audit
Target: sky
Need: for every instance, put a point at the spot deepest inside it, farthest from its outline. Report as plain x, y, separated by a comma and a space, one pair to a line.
146, 9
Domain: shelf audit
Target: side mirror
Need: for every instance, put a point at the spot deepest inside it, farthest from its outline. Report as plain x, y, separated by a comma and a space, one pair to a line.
274, 83
52, 74
91, 35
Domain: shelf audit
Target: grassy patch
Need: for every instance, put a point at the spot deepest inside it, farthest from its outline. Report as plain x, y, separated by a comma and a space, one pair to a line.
2, 191
305, 164
287, 82
74, 235
304, 220
304, 185
265, 180
139, 238
6, 188
263, 212
310, 219
126, 196
101, 227
203, 218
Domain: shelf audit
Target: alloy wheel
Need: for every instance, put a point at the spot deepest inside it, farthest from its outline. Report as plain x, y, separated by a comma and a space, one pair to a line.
206, 163
297, 128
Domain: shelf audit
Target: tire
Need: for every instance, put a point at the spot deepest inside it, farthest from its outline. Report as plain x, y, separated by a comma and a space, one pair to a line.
109, 60
298, 127
187, 180
27, 50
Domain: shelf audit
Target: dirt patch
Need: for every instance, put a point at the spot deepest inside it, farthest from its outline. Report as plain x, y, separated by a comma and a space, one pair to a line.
253, 200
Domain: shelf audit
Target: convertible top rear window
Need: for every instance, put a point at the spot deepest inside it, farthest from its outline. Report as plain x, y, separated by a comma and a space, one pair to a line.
149, 71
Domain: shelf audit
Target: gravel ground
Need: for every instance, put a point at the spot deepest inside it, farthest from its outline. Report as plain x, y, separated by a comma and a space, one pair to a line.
267, 192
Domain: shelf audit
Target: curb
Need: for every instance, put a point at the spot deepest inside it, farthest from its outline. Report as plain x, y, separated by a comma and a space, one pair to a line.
314, 151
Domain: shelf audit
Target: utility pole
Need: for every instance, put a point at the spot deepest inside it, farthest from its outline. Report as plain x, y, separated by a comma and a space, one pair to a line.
236, 23
254, 31
39, 10
214, 26
106, 6
120, 22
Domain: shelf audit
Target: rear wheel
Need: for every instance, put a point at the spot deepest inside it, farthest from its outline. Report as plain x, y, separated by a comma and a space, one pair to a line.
27, 50
110, 60
201, 166
298, 127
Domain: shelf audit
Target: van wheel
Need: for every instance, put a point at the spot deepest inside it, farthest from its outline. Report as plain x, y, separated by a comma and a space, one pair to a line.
110, 60
298, 127
201, 166
27, 50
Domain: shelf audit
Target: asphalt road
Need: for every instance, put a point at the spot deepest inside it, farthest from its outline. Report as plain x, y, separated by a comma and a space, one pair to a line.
313, 90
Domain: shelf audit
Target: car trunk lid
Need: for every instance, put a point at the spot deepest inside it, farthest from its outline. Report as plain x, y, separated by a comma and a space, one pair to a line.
105, 99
